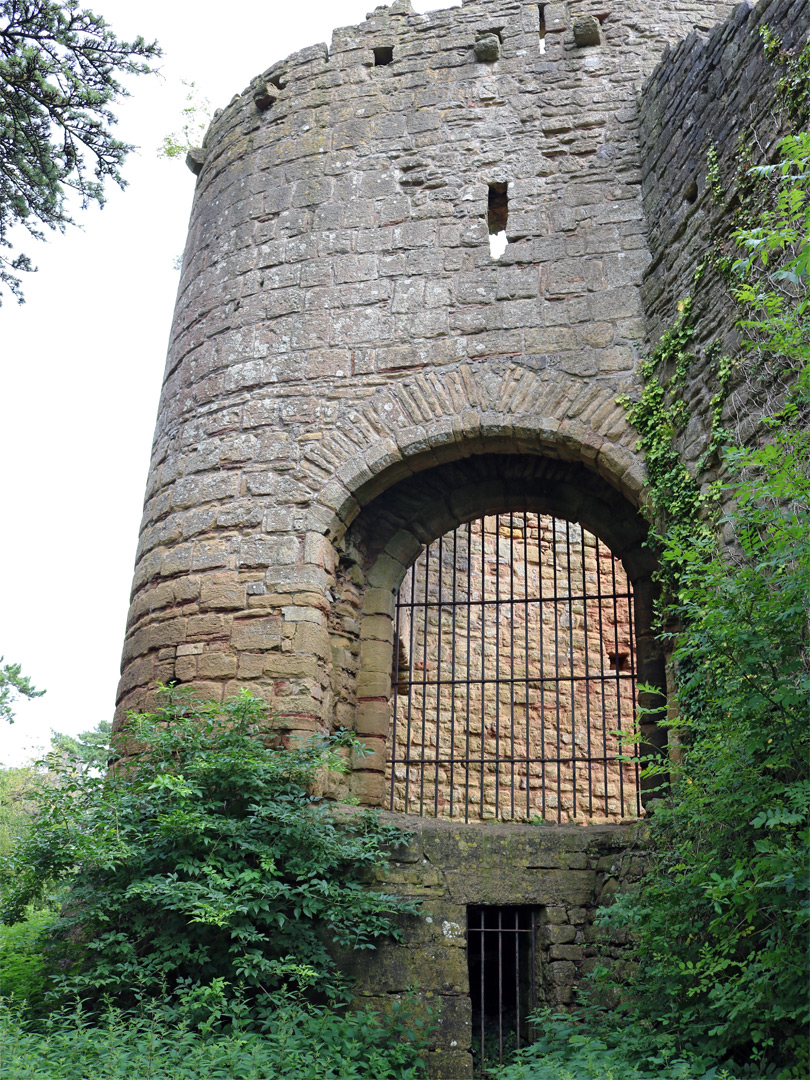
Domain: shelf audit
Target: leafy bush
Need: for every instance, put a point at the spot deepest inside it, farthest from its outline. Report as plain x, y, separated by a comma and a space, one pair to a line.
295, 1044
17, 787
23, 971
204, 861
721, 924
566, 1051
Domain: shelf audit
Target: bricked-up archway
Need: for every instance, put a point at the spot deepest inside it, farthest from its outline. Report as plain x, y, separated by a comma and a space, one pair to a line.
390, 535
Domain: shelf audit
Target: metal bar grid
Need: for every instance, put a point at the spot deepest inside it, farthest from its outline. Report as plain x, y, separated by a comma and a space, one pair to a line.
514, 675
502, 960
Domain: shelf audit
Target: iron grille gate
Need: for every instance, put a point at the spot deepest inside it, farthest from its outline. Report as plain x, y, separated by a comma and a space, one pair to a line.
514, 676
502, 962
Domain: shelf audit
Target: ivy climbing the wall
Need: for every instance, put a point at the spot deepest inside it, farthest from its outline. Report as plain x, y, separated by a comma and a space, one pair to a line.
719, 930
720, 927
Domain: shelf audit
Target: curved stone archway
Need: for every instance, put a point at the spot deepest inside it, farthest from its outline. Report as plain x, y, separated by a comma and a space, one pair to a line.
427, 421
389, 533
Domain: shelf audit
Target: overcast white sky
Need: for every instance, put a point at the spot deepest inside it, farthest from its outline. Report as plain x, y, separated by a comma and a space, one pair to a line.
82, 362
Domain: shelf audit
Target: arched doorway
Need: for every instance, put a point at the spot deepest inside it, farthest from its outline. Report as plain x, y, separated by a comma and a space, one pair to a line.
539, 737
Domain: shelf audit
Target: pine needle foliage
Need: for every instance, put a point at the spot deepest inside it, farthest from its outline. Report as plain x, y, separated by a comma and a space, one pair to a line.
60, 70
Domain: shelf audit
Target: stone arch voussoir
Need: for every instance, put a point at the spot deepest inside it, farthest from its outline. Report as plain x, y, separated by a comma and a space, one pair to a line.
521, 412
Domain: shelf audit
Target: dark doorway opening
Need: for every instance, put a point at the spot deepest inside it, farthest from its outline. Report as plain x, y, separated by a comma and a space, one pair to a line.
502, 961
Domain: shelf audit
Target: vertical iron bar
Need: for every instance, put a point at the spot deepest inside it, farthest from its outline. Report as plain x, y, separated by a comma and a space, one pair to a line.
481, 1010
497, 666
483, 656
411, 657
632, 639
395, 701
517, 979
588, 676
512, 662
542, 683
453, 672
500, 986
469, 668
438, 676
571, 667
603, 678
422, 762
618, 676
526, 654
557, 662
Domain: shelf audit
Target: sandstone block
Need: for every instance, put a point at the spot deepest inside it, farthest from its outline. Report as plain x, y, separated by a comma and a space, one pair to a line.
373, 718
368, 788
222, 596
254, 635
216, 666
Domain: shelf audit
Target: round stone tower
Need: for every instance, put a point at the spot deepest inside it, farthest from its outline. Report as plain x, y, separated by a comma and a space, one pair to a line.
358, 365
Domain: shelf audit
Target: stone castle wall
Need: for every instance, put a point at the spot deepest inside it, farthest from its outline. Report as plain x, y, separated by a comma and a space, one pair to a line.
563, 873
351, 375
716, 91
341, 325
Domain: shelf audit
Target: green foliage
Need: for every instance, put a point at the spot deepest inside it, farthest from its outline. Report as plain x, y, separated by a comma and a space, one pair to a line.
23, 971
205, 858
17, 804
658, 416
12, 681
720, 927
90, 750
59, 72
603, 1050
196, 118
713, 174
295, 1044
773, 278
794, 86
721, 924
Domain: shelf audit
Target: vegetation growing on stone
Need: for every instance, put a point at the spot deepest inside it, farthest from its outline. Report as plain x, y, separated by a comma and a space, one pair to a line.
720, 925
203, 866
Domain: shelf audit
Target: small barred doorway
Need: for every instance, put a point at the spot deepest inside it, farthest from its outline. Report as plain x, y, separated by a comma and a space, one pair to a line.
502, 958
514, 677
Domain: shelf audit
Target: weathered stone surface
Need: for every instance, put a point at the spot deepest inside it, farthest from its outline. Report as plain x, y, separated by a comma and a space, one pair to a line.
586, 31
348, 359
433, 955
487, 48
338, 255
714, 91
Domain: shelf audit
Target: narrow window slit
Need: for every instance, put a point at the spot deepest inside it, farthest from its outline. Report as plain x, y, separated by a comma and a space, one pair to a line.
497, 217
383, 55
542, 28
